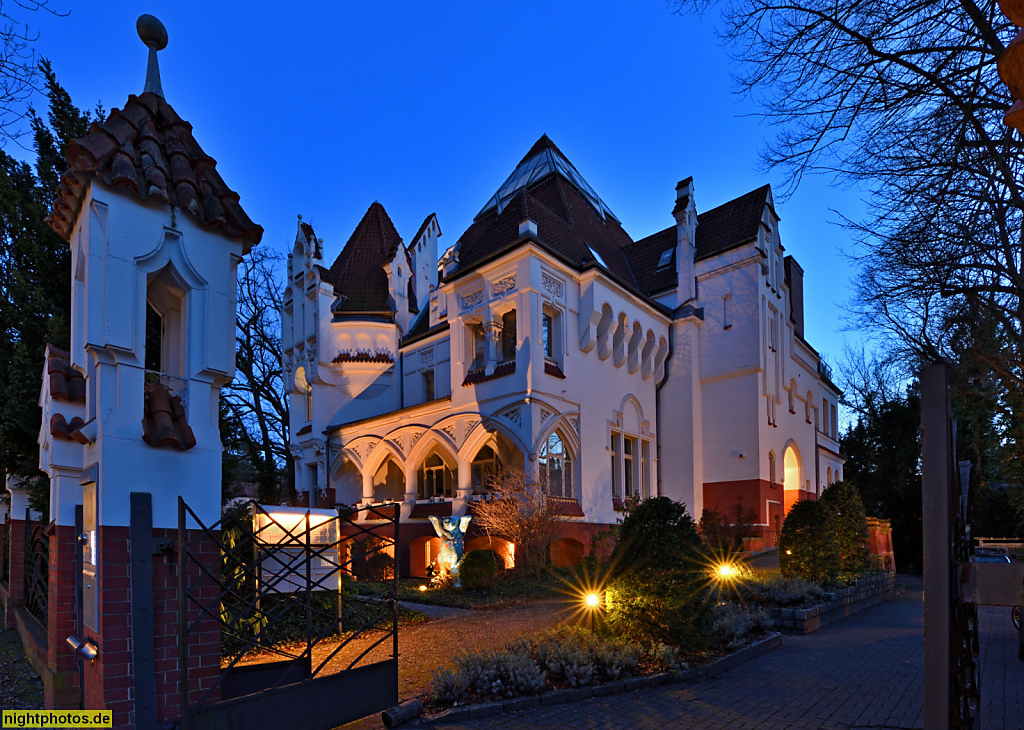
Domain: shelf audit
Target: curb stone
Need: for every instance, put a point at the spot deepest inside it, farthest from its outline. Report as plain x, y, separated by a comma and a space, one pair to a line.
562, 696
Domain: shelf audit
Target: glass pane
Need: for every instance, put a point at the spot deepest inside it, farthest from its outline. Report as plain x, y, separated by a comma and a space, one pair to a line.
549, 345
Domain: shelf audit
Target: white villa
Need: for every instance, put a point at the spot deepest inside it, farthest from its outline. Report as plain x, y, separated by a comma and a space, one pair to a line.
547, 339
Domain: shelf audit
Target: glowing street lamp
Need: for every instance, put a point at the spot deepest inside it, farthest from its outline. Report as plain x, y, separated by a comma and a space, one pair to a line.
593, 600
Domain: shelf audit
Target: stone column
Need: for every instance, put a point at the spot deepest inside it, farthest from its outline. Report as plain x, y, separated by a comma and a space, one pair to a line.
367, 487
464, 490
410, 491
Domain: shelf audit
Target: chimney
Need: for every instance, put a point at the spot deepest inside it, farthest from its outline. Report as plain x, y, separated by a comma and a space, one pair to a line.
795, 280
685, 213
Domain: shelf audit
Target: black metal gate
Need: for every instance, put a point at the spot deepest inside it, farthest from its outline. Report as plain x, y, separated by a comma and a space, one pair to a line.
299, 647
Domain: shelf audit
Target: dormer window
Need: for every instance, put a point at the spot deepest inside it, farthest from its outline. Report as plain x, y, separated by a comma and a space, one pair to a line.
597, 256
666, 258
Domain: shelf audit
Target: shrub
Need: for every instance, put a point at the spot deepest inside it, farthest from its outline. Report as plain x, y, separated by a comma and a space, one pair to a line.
807, 547
479, 568
779, 591
572, 656
580, 658
656, 592
380, 566
851, 536
734, 623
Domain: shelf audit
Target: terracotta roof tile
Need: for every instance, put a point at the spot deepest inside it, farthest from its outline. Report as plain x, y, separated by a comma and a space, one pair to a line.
66, 383
479, 375
358, 272
163, 420
382, 357
381, 512
147, 148
308, 428
62, 429
552, 369
563, 507
431, 509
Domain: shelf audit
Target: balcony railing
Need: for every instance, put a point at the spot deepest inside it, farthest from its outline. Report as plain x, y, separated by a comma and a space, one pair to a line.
824, 370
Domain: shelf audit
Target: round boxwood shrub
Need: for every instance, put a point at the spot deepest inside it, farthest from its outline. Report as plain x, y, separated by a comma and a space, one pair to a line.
807, 547
479, 568
656, 594
851, 534
380, 566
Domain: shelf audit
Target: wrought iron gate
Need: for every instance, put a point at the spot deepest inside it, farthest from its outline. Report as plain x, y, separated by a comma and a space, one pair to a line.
276, 589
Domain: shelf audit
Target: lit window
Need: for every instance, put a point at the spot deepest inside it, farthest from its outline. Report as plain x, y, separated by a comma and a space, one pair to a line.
428, 385
508, 336
555, 467
435, 479
486, 468
628, 464
645, 468
597, 256
666, 258
616, 451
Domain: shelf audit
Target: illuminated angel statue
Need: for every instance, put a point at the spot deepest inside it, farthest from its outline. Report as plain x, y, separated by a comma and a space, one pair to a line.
450, 530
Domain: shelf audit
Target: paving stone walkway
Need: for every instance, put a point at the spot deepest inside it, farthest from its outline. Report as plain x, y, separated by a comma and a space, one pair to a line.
862, 672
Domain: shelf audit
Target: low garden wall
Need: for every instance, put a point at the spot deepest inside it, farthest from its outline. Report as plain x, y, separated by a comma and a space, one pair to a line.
867, 591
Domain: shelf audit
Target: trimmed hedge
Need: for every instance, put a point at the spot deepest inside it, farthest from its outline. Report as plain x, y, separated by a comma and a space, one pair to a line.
807, 547
478, 569
851, 535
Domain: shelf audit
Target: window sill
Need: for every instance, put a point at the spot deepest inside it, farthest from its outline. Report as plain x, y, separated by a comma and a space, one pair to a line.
478, 376
552, 369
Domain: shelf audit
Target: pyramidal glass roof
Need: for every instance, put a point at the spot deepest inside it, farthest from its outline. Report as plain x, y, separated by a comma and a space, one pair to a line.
542, 160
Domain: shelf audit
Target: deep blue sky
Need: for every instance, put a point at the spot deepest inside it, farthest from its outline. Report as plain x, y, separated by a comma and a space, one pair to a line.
427, 107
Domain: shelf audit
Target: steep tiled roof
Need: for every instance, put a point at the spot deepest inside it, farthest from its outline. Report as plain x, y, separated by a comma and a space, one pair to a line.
423, 227
566, 222
731, 224
148, 149
358, 272
643, 258
720, 229
163, 420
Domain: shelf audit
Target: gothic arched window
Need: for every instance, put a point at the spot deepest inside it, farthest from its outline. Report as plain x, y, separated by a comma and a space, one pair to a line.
556, 466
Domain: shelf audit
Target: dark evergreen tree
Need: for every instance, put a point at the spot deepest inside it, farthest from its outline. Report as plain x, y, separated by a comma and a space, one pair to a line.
883, 455
851, 537
35, 282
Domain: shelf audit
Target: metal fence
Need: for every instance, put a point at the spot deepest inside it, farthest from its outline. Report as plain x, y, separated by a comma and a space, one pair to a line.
37, 570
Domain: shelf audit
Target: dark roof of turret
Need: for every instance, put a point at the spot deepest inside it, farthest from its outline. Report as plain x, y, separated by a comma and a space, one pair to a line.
358, 272
148, 149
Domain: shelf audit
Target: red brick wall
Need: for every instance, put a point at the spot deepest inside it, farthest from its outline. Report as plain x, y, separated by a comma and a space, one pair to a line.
110, 680
63, 691
880, 542
754, 496
16, 586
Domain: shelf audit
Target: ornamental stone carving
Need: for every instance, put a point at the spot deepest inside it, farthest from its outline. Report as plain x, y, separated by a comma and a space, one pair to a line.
473, 299
427, 356
502, 286
515, 415
552, 286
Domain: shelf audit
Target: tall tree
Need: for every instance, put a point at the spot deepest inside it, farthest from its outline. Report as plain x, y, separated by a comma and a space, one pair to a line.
257, 398
903, 101
35, 280
19, 70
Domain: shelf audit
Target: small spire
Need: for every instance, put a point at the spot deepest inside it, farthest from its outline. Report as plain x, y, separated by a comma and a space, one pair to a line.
154, 35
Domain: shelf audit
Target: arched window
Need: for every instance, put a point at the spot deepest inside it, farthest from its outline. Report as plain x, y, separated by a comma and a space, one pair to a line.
486, 467
435, 478
556, 466
771, 467
828, 478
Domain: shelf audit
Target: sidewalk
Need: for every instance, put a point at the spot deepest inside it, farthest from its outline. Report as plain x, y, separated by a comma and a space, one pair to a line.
862, 672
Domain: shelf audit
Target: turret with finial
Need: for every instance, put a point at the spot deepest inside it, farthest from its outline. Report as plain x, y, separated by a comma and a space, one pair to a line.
154, 35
